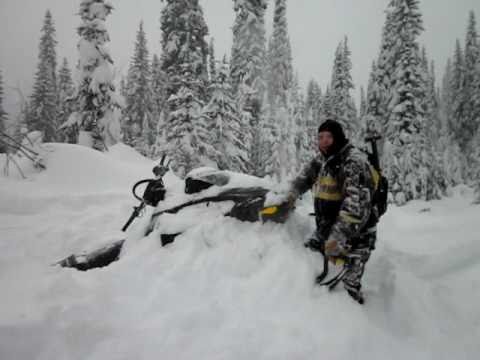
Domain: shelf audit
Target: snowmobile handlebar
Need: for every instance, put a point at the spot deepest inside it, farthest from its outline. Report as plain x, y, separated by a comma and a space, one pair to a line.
153, 194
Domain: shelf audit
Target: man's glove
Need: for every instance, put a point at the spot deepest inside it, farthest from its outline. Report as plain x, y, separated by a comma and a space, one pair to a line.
335, 252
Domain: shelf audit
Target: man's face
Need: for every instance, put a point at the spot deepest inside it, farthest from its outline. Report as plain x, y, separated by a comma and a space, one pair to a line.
325, 141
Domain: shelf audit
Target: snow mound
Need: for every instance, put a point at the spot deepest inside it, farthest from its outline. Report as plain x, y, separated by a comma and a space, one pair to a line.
224, 289
127, 154
74, 169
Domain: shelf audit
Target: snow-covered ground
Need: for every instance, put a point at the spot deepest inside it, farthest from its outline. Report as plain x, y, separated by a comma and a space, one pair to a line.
225, 289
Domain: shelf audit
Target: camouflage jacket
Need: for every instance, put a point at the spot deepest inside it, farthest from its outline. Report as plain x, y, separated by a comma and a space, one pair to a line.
342, 187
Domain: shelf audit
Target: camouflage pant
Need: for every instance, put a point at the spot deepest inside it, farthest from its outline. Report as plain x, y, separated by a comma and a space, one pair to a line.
356, 260
357, 257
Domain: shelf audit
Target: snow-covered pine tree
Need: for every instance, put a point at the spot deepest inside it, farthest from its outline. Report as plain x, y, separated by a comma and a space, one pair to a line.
475, 98
44, 100
66, 105
183, 42
372, 101
138, 124
446, 93
3, 115
270, 145
248, 48
185, 130
184, 61
247, 68
327, 108
212, 66
160, 147
476, 142
283, 97
281, 55
449, 148
436, 184
342, 103
476, 167
223, 125
269, 77
158, 86
303, 148
313, 107
471, 121
405, 166
457, 89
363, 103
472, 57
382, 70
97, 99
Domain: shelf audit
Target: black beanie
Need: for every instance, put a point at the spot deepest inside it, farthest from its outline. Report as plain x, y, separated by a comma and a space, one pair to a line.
335, 128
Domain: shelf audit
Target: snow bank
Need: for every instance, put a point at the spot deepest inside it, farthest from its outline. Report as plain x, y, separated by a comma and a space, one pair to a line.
225, 289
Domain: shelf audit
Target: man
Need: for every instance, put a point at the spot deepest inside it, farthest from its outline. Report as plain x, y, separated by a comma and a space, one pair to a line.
342, 186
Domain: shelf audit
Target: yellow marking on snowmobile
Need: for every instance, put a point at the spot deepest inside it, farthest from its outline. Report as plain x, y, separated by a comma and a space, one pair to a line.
269, 210
349, 218
335, 196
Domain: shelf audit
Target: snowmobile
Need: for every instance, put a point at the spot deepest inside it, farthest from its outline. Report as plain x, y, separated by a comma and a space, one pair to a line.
202, 187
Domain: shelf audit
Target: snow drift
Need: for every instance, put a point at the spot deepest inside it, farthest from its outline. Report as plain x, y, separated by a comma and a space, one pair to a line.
225, 289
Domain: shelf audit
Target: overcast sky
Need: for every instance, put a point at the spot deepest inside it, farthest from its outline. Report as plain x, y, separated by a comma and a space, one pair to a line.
315, 27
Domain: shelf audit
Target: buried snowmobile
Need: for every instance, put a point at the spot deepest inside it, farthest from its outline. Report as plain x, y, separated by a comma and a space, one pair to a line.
202, 186
246, 203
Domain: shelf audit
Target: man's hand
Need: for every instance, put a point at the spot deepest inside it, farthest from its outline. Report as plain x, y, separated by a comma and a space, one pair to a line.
333, 249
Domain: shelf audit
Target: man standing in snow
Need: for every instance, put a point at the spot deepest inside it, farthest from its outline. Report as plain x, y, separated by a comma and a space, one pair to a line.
342, 185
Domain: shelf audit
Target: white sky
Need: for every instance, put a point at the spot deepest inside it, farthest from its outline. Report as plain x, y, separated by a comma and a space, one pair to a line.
315, 27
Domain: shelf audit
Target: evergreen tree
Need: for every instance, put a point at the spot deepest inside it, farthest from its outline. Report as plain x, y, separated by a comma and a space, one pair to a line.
302, 134
158, 86
183, 128
212, 67
184, 45
281, 54
223, 126
248, 49
476, 167
448, 146
379, 94
97, 99
406, 166
472, 58
247, 68
184, 62
123, 86
446, 94
476, 114
43, 102
66, 105
363, 102
342, 104
269, 75
313, 107
3, 115
139, 125
271, 145
436, 181
327, 109
283, 97
373, 99
457, 90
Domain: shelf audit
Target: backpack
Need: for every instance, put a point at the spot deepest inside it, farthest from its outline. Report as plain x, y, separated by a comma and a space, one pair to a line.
380, 194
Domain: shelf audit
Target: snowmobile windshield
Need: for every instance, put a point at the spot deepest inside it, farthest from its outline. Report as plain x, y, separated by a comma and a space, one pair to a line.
203, 178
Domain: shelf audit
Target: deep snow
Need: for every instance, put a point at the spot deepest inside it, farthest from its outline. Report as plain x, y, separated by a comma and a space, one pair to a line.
225, 289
